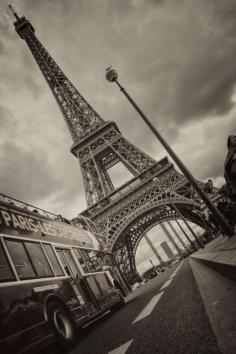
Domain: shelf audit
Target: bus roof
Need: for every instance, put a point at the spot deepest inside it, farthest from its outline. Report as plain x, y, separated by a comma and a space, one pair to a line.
23, 219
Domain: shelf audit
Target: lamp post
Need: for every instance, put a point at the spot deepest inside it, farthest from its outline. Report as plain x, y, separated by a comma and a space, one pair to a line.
112, 76
151, 263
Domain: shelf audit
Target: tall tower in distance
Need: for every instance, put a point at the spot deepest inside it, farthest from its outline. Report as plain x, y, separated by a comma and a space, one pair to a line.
156, 193
167, 249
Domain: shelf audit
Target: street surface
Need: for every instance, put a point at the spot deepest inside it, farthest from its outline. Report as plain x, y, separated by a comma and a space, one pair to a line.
189, 309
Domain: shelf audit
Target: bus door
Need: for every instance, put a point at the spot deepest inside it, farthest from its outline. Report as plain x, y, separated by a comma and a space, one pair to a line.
70, 270
81, 291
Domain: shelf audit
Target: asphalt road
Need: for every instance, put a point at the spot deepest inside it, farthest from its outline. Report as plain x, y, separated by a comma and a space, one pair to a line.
167, 315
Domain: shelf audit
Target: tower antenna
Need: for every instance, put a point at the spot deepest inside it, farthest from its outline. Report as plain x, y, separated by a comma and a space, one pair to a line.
14, 12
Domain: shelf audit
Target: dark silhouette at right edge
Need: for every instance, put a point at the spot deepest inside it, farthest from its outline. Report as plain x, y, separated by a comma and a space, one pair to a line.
230, 167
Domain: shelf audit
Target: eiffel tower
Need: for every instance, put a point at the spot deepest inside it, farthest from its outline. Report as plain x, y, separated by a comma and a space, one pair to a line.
156, 193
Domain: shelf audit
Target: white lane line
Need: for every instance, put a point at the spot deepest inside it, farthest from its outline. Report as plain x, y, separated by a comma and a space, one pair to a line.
176, 270
148, 308
122, 349
167, 283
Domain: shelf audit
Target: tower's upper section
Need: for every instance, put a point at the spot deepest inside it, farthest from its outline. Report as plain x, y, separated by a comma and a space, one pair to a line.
98, 145
81, 118
22, 25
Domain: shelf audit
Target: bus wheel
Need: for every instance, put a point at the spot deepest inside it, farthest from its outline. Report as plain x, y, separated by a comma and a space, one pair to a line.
62, 325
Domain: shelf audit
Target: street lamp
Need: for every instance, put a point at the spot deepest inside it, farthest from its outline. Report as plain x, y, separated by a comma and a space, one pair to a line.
153, 267
151, 263
112, 76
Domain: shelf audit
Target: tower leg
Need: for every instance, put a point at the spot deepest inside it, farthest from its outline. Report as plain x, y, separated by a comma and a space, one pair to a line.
176, 234
188, 226
184, 232
170, 238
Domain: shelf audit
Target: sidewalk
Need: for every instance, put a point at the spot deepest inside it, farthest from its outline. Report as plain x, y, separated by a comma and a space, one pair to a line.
220, 254
218, 295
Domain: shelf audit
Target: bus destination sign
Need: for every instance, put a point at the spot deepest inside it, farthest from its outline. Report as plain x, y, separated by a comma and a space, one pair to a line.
19, 223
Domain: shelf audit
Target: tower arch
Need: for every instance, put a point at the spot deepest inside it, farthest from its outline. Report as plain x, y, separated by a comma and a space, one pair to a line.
140, 222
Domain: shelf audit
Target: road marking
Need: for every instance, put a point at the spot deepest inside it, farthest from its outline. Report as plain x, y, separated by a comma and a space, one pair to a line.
176, 270
167, 283
148, 308
122, 349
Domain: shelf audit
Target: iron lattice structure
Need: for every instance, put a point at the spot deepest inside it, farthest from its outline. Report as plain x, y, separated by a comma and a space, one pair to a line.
122, 214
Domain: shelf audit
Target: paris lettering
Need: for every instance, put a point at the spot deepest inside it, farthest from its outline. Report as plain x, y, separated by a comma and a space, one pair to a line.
17, 221
26, 223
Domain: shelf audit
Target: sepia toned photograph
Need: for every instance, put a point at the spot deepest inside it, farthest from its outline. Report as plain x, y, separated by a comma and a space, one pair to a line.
117, 177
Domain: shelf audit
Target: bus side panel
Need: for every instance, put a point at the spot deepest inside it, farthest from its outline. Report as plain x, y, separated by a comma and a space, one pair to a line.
22, 311
29, 341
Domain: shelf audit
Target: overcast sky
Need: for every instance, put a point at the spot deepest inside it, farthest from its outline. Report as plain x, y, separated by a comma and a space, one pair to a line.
176, 58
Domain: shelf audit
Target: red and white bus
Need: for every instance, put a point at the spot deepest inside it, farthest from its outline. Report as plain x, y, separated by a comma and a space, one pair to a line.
54, 276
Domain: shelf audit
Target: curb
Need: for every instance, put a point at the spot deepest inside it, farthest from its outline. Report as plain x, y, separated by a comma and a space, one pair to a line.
227, 268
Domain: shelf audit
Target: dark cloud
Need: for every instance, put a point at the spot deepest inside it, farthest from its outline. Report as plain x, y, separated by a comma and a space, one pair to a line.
25, 170
207, 89
206, 154
186, 64
223, 14
26, 174
208, 75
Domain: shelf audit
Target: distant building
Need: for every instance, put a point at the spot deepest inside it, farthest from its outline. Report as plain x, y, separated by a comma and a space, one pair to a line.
167, 249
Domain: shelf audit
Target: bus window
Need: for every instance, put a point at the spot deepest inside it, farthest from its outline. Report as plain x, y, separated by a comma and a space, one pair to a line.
100, 260
93, 255
91, 260
63, 262
71, 262
38, 259
6, 273
88, 261
53, 259
20, 259
81, 260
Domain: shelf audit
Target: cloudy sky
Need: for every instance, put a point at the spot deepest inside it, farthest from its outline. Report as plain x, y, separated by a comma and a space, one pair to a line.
176, 58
